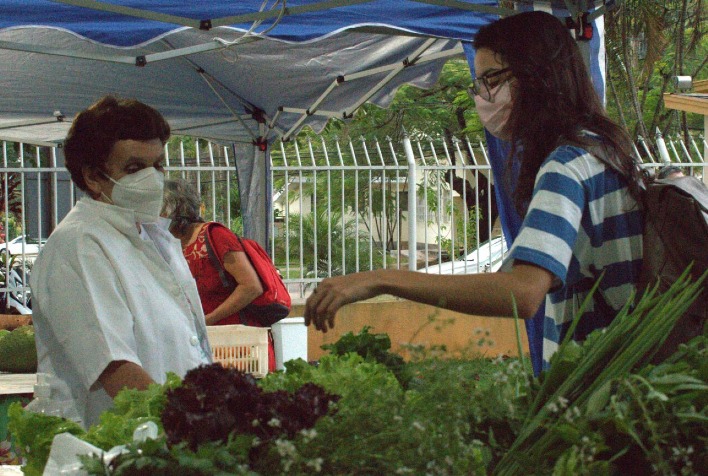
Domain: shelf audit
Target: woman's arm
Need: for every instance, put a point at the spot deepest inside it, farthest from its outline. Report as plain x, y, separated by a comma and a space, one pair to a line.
120, 374
248, 287
482, 294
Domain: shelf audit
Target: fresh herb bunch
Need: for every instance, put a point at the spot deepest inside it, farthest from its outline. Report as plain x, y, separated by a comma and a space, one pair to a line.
379, 427
33, 434
656, 421
583, 382
131, 408
373, 347
214, 402
156, 458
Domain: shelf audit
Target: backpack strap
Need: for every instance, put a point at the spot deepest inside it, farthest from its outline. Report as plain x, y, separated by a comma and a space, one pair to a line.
226, 279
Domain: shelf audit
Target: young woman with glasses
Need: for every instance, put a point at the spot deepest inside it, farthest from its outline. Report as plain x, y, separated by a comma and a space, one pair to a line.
577, 189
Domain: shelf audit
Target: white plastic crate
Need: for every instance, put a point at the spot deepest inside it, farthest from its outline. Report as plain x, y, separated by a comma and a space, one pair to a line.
242, 347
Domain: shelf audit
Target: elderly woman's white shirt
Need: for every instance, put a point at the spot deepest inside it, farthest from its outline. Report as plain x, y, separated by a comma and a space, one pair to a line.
102, 291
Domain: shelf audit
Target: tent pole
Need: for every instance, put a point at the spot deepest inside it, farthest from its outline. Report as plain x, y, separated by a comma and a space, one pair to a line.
206, 24
416, 58
412, 202
469, 7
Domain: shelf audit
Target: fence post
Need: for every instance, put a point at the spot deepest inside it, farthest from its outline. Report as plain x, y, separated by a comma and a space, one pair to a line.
412, 202
704, 172
661, 147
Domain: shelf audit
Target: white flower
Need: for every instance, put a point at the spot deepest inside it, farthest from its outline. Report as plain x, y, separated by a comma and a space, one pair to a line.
308, 434
274, 422
315, 464
571, 414
285, 447
418, 426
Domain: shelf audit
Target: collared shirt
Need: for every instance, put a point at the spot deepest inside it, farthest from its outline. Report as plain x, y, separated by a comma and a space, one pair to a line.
105, 291
581, 222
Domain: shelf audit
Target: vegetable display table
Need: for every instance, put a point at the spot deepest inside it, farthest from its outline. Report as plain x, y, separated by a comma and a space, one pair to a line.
11, 470
13, 388
17, 384
12, 321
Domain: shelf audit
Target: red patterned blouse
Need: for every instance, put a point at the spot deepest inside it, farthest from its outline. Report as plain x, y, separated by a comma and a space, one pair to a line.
211, 292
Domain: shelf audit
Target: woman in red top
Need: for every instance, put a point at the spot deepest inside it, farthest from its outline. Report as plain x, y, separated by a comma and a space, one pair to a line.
221, 305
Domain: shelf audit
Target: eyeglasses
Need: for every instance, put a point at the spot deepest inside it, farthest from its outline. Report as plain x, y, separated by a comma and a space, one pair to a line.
481, 86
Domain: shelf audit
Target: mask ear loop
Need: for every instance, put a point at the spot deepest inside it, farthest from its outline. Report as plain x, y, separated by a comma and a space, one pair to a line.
109, 199
108, 177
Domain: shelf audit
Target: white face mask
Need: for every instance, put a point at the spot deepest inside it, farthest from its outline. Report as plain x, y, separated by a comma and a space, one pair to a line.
141, 192
495, 115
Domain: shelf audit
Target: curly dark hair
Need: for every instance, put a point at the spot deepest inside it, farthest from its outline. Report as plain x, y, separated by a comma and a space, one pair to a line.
555, 98
181, 204
95, 131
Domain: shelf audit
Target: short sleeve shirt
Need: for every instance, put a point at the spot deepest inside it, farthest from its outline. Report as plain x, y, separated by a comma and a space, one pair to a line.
581, 222
102, 292
211, 290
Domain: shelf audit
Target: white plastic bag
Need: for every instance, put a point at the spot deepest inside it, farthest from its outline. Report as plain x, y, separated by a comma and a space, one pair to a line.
64, 455
66, 449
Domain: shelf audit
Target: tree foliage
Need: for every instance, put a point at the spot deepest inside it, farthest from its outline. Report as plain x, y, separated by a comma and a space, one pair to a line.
443, 112
649, 43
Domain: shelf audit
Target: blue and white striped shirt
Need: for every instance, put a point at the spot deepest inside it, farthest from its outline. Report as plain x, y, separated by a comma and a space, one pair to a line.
581, 221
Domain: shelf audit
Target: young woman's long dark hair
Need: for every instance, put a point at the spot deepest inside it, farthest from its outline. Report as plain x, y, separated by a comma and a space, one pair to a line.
555, 99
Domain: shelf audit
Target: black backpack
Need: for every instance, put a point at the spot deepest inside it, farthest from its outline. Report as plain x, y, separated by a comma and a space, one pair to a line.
676, 236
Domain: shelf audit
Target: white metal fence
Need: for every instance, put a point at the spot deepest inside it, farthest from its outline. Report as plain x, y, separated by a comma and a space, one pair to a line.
337, 208
345, 207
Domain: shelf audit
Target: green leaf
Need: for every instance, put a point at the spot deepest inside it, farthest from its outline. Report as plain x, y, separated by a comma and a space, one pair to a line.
599, 398
656, 395
676, 379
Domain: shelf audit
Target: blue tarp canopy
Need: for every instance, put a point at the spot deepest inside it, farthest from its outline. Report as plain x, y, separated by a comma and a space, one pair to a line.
131, 23
215, 68
223, 70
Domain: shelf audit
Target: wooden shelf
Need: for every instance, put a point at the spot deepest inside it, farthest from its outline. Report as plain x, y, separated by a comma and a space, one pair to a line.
11, 321
17, 384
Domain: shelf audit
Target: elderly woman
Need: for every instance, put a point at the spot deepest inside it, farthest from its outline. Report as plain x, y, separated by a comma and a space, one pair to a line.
114, 304
222, 304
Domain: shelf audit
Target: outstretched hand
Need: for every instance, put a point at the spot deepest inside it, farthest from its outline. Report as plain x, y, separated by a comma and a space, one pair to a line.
333, 293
